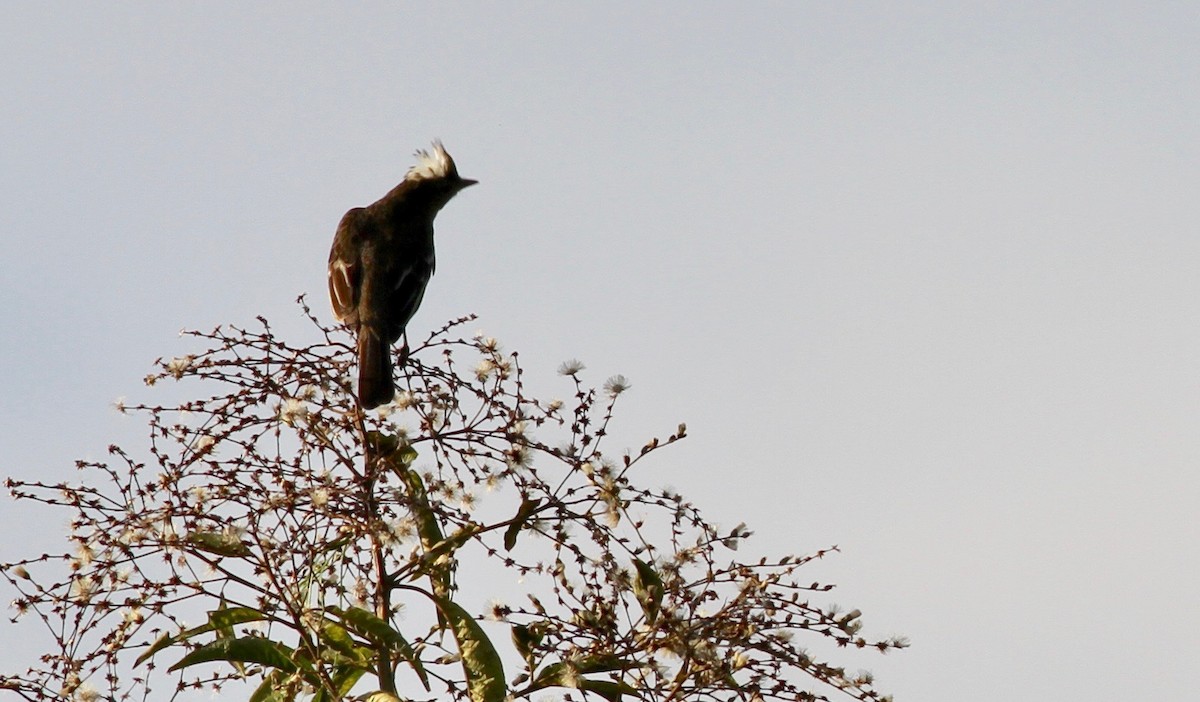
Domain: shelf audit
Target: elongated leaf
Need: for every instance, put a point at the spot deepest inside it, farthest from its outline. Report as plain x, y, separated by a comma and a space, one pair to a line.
451, 543
371, 627
218, 542
224, 629
267, 692
518, 523
648, 588
159, 644
389, 447
603, 663
217, 619
336, 638
382, 444
406, 455
525, 639
344, 680
247, 649
224, 618
430, 531
481, 664
567, 673
607, 689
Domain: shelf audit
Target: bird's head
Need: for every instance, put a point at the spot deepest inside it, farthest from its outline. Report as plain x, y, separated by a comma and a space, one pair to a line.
436, 169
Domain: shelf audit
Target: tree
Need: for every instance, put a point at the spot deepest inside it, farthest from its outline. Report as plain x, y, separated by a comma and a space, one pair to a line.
319, 550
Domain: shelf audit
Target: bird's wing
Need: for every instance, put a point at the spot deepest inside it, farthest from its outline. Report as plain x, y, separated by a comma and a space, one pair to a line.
345, 267
407, 294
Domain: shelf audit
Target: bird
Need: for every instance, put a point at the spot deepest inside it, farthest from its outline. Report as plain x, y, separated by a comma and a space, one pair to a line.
380, 262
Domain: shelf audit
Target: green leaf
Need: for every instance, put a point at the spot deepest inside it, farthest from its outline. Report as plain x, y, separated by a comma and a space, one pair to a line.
247, 649
525, 639
566, 674
389, 447
451, 543
159, 644
268, 690
430, 531
218, 619
603, 663
336, 637
406, 455
608, 689
648, 588
381, 696
382, 444
344, 679
518, 523
482, 666
225, 618
224, 628
428, 527
371, 627
218, 542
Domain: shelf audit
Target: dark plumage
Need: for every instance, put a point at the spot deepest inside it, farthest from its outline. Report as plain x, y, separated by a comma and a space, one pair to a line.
381, 260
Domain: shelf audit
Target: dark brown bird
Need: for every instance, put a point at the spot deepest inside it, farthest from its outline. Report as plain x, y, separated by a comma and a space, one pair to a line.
381, 260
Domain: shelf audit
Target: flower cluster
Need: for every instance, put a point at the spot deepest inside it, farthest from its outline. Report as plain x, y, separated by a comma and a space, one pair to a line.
273, 526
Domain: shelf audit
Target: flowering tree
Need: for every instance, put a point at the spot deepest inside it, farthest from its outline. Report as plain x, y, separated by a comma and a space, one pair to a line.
317, 550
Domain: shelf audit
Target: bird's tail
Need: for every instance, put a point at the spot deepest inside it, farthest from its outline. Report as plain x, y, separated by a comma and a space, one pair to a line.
374, 369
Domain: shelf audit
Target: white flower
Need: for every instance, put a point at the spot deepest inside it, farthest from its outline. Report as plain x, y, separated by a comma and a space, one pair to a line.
484, 369
71, 684
495, 610
84, 554
83, 587
232, 534
204, 443
133, 615
293, 411
616, 385
179, 365
571, 367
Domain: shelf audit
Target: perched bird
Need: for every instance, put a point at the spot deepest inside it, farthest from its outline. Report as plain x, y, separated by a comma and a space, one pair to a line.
381, 260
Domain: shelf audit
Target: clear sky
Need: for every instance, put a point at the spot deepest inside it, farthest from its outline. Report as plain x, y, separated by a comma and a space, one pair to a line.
921, 279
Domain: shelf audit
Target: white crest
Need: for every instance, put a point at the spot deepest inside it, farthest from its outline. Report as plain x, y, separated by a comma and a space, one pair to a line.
431, 165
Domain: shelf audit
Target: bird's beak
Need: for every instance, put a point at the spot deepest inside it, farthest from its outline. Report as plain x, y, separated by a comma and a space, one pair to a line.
466, 182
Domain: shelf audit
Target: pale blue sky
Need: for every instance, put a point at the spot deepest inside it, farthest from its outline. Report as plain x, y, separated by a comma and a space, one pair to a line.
921, 279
